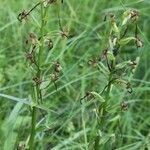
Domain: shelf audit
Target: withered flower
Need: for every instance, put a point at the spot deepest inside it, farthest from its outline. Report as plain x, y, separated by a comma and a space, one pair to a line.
37, 80
124, 106
57, 67
129, 87
33, 38
139, 42
51, 1
134, 15
49, 44
23, 16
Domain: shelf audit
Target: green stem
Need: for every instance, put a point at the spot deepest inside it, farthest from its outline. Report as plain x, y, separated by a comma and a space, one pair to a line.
43, 23
42, 38
38, 93
33, 128
103, 112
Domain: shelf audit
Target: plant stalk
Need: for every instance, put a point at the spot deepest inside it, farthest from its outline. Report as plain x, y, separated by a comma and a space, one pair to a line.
102, 112
33, 128
38, 93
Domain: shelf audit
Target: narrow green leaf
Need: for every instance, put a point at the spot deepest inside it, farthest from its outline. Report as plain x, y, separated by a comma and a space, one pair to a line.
122, 65
115, 118
125, 41
98, 96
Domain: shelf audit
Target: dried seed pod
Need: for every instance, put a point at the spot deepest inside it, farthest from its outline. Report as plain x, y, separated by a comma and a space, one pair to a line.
21, 146
129, 87
30, 57
139, 42
87, 94
58, 67
104, 54
37, 80
93, 62
33, 38
112, 16
51, 1
64, 33
23, 16
50, 44
133, 64
54, 78
134, 15
55, 75
124, 106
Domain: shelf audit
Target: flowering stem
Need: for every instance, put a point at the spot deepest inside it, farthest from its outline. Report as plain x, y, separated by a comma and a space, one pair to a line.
38, 93
102, 111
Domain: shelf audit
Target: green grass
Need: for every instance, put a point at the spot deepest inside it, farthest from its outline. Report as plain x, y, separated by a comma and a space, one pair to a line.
63, 122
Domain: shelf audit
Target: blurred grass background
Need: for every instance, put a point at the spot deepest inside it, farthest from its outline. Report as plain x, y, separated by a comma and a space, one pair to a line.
73, 124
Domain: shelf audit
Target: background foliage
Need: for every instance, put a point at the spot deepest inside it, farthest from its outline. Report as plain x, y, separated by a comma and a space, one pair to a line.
70, 125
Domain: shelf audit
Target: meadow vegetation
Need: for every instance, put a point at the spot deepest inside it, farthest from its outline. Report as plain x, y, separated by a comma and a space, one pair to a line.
74, 75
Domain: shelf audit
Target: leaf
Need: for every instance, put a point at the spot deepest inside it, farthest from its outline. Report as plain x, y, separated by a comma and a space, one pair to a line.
125, 21
96, 145
115, 118
110, 56
126, 17
98, 96
45, 84
69, 140
122, 65
22, 121
103, 69
115, 28
121, 81
41, 128
125, 41
27, 102
9, 125
111, 44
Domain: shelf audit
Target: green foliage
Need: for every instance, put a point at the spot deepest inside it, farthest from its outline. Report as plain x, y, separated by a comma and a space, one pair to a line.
75, 45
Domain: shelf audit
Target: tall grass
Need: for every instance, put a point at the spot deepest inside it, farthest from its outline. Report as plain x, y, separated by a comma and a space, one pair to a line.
112, 119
